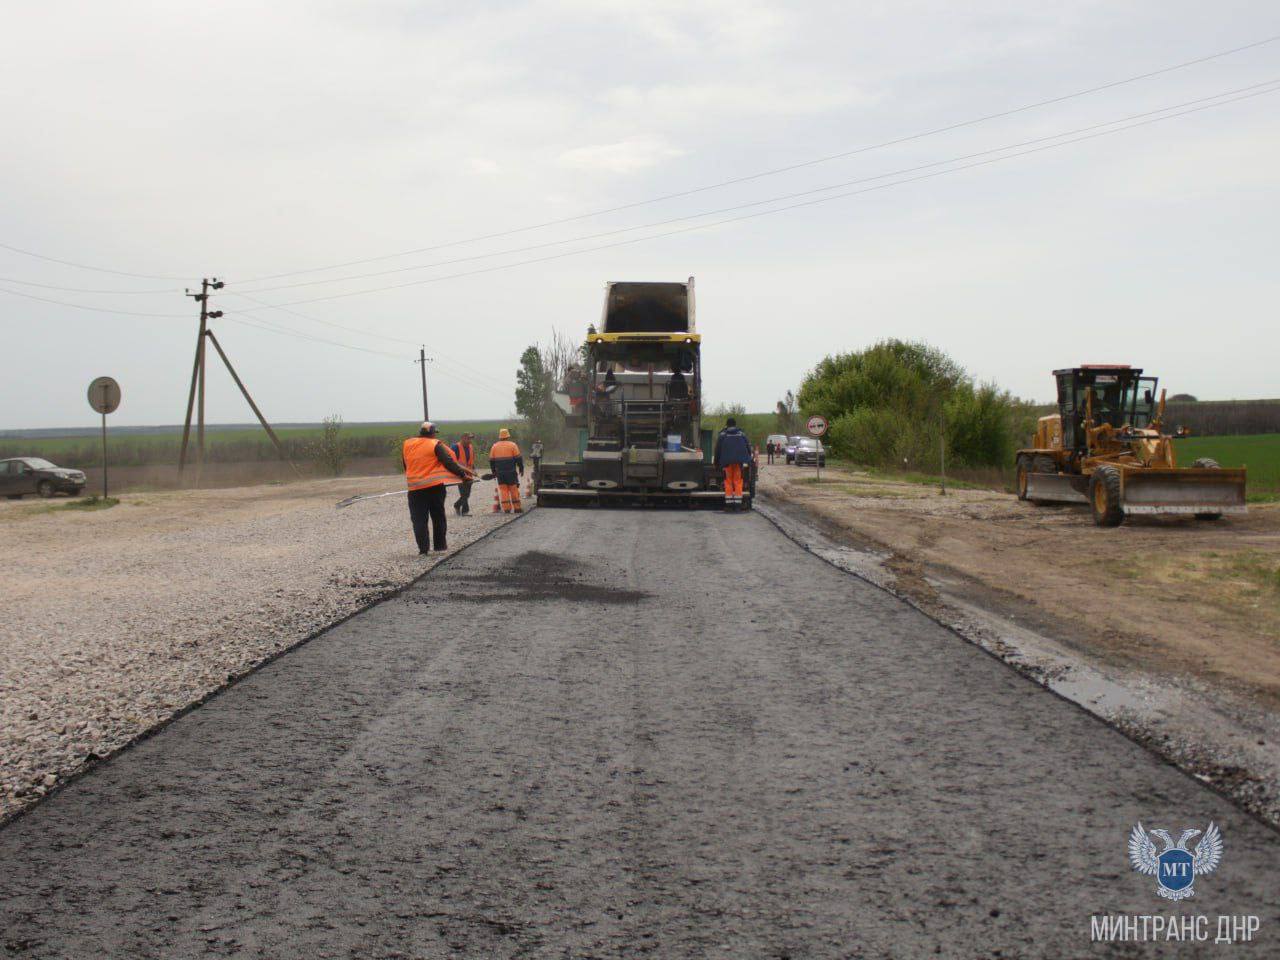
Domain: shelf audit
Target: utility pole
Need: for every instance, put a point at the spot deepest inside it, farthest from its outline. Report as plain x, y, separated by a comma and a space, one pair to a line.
197, 378
424, 360
942, 452
195, 398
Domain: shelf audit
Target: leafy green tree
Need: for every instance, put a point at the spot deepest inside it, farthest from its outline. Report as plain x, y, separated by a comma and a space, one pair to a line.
533, 386
535, 382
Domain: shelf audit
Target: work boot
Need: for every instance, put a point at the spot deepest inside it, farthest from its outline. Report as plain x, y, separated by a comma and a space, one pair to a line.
457, 507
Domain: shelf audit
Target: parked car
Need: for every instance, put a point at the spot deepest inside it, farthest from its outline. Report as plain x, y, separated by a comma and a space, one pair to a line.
790, 448
809, 450
23, 475
779, 441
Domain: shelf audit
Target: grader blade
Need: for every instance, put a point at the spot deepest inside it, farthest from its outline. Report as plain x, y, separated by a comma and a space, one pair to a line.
1056, 488
1187, 491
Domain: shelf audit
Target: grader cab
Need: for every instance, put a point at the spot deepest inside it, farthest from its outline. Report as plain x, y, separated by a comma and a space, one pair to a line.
1107, 447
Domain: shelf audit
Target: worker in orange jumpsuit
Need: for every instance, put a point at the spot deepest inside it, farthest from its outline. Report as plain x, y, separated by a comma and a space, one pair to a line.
733, 457
508, 467
429, 469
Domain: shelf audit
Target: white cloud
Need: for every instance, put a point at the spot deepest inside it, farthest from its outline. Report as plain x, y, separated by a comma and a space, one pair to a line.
741, 98
626, 156
484, 166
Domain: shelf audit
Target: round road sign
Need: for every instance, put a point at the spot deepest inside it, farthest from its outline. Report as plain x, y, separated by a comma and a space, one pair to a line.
104, 395
817, 426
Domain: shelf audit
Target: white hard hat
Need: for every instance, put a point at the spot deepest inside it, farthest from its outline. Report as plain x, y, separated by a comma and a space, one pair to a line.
428, 426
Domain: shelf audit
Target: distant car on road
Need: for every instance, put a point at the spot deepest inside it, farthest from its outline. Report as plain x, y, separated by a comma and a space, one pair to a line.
23, 475
810, 450
790, 448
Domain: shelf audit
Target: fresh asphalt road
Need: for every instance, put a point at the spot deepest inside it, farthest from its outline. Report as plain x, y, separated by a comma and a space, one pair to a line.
614, 734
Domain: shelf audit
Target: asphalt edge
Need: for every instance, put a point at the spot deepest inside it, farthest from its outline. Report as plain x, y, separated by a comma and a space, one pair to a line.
1025, 674
234, 679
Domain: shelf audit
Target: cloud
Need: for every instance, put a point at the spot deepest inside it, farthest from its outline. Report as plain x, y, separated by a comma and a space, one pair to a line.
484, 166
626, 156
679, 102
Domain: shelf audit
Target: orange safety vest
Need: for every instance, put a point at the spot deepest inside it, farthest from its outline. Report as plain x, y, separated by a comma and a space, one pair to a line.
504, 449
467, 455
422, 468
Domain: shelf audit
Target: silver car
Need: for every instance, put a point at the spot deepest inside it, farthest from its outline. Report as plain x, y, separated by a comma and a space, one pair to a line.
810, 450
790, 448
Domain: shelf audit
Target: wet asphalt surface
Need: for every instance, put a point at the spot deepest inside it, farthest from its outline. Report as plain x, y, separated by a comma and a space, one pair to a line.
620, 734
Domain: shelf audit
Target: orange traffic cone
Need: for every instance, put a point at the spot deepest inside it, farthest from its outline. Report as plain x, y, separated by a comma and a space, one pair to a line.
497, 504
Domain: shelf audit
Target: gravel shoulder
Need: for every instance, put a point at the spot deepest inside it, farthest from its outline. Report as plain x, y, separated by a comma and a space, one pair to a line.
1169, 630
115, 620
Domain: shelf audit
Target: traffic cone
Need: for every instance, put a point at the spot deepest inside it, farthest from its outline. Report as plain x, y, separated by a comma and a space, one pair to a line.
497, 504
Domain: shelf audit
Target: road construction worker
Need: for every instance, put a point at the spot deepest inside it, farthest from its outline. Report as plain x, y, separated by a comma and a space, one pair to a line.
733, 456
508, 467
429, 468
465, 454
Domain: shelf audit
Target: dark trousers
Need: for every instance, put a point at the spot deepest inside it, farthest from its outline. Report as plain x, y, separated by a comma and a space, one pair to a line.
464, 497
771, 456
424, 504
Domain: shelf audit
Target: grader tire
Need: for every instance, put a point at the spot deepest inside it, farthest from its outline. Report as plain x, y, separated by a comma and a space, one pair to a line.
1104, 497
1208, 463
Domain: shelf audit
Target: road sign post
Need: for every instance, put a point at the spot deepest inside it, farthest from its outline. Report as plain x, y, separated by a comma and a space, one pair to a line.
104, 396
817, 427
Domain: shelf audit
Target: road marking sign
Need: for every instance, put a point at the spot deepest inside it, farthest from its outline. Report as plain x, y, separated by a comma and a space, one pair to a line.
817, 426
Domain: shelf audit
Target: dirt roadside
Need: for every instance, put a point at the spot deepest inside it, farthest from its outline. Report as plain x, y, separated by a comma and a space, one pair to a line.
1168, 628
117, 619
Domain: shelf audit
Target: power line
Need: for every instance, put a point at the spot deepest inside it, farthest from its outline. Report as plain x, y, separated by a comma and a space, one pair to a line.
51, 286
477, 374
267, 326
776, 199
765, 213
785, 169
81, 306
695, 190
86, 266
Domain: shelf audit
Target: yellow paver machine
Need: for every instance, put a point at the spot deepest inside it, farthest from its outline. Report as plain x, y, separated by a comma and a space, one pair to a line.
1106, 446
636, 404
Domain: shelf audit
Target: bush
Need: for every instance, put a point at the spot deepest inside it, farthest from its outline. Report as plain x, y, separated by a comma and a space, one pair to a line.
980, 430
871, 435
888, 406
331, 449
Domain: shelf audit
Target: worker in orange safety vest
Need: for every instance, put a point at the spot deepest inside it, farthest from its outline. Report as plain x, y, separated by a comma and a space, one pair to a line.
429, 468
508, 467
465, 454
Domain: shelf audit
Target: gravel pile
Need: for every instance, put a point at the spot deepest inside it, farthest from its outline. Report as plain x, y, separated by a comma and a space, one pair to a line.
117, 619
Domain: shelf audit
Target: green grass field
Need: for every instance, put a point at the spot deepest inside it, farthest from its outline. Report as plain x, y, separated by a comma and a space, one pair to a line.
1260, 453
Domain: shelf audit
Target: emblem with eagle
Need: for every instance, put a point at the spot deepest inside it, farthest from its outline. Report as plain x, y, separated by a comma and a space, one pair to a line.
1175, 867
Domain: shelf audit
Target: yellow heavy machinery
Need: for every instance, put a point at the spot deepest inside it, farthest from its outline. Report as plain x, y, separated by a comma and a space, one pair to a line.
1106, 446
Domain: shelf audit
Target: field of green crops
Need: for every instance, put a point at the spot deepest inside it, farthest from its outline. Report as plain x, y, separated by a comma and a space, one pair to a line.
1260, 453
227, 445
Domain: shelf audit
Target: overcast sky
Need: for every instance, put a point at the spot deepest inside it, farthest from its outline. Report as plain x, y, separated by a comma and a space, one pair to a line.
177, 140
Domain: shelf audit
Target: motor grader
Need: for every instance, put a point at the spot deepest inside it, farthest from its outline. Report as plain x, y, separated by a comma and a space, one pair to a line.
1107, 447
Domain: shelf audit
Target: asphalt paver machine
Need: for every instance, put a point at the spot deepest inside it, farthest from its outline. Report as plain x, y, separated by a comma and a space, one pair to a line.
635, 403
